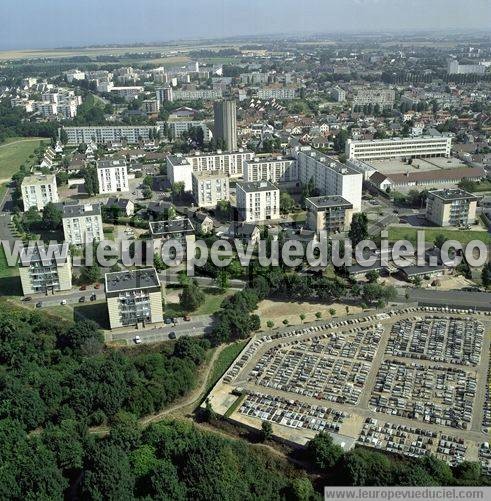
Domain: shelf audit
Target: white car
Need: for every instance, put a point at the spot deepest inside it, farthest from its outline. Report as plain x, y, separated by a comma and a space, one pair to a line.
137, 340
63, 302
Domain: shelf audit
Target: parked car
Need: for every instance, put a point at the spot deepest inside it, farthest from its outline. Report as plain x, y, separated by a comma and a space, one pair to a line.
27, 298
93, 296
172, 335
81, 299
39, 305
83, 287
97, 286
187, 318
167, 320
63, 302
137, 340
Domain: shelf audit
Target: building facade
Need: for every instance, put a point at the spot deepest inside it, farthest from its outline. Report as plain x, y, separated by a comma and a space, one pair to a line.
82, 224
209, 188
258, 201
384, 98
410, 147
38, 190
133, 298
328, 213
112, 175
451, 207
108, 134
276, 170
45, 273
330, 177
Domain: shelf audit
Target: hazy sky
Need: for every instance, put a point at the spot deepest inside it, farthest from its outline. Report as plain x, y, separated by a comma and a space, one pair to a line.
55, 23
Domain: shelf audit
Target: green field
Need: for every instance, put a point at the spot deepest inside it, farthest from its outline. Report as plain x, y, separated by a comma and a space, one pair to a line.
211, 304
5, 270
462, 236
14, 152
223, 362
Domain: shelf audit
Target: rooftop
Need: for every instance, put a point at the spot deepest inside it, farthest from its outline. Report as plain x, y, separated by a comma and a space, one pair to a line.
105, 163
39, 179
177, 160
329, 162
329, 201
81, 210
254, 186
129, 280
452, 194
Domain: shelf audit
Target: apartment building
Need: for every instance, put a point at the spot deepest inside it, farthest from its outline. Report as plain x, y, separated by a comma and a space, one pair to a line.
454, 68
283, 93
330, 213
258, 201
451, 207
179, 231
277, 170
329, 176
396, 147
82, 224
128, 93
384, 98
178, 127
113, 175
38, 190
209, 188
193, 95
164, 94
45, 271
134, 298
180, 168
108, 134
338, 94
150, 106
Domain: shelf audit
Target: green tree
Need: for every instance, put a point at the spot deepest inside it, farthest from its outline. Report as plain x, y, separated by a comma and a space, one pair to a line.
90, 274
359, 228
486, 275
52, 216
266, 430
286, 202
91, 181
270, 324
323, 452
191, 297
440, 240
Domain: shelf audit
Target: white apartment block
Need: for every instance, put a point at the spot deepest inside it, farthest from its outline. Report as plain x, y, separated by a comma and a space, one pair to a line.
82, 224
164, 94
38, 190
258, 201
178, 127
133, 298
72, 75
230, 163
47, 271
180, 168
338, 94
451, 207
128, 93
276, 170
113, 175
454, 68
378, 149
209, 188
383, 97
192, 95
285, 93
330, 177
108, 134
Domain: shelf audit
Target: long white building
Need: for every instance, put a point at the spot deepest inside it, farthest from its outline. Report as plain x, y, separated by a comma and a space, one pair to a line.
276, 170
329, 176
113, 175
108, 133
379, 149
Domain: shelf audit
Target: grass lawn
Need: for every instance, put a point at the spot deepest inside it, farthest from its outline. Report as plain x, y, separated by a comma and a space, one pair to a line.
482, 186
223, 362
462, 236
5, 270
211, 304
14, 152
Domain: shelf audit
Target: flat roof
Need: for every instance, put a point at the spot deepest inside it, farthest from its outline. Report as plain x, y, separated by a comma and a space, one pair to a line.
399, 139
120, 281
259, 160
330, 162
212, 174
329, 201
253, 186
171, 226
452, 194
34, 254
81, 210
177, 160
38, 179
104, 163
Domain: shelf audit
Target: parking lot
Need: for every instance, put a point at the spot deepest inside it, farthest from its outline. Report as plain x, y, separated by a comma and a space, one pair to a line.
411, 381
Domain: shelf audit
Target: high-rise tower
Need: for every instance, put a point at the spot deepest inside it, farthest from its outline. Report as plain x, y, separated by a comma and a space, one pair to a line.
226, 123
